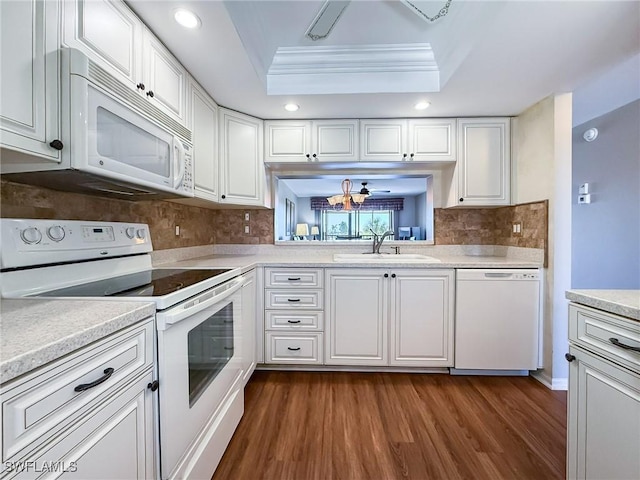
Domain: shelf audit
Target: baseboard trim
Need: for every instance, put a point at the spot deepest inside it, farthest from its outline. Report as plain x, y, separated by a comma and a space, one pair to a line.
551, 383
348, 368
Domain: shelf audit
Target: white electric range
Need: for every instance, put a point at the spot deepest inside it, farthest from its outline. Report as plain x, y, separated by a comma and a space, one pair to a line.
197, 317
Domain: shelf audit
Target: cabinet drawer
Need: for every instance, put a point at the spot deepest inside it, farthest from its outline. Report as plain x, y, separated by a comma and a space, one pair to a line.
293, 277
292, 348
294, 321
294, 299
594, 330
43, 403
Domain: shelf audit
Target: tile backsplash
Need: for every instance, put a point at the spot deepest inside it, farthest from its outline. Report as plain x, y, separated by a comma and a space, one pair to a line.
198, 226
202, 226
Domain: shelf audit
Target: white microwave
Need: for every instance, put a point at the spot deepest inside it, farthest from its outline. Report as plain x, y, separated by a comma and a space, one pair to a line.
115, 141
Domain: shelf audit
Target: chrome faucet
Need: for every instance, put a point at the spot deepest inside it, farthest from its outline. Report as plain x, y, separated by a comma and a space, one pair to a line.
378, 239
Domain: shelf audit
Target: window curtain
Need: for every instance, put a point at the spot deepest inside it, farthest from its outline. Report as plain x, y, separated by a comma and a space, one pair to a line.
321, 203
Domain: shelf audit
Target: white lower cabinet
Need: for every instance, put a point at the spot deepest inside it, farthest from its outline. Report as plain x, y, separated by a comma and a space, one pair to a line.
105, 430
249, 319
397, 317
293, 316
603, 430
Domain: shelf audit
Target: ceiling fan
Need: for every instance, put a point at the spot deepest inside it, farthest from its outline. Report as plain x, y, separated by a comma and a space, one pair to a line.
370, 191
331, 11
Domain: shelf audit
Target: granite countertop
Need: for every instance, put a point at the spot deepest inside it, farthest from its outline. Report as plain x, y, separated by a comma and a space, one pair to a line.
247, 262
625, 303
36, 332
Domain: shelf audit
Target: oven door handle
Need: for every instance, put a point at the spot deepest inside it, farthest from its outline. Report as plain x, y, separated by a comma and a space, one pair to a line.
166, 319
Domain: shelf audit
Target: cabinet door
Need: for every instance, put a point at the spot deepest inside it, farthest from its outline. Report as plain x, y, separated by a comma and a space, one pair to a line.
249, 316
335, 140
115, 441
288, 141
604, 419
484, 163
204, 124
241, 168
383, 140
357, 317
166, 79
432, 140
29, 108
422, 318
108, 33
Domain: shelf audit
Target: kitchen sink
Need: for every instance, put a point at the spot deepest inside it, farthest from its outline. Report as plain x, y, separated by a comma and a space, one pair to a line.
383, 258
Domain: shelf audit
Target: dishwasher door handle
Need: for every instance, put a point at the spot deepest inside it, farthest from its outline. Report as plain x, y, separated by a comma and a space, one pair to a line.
498, 275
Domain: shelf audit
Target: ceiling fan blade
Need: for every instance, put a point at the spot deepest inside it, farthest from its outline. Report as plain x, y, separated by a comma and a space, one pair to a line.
326, 19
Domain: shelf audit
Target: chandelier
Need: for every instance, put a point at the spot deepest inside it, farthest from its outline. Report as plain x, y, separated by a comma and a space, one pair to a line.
347, 199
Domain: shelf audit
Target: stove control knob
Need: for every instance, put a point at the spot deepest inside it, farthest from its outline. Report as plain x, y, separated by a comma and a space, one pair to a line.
130, 232
31, 235
55, 233
141, 233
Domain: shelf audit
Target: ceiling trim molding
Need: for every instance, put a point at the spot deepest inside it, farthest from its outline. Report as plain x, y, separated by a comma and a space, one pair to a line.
395, 68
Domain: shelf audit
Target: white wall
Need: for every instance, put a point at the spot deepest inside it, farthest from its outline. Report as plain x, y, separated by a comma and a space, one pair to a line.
542, 171
606, 233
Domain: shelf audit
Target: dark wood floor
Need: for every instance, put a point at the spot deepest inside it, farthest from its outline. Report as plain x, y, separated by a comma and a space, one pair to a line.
370, 426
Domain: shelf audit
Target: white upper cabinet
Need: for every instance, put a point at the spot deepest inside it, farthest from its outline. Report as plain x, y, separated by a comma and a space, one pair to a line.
29, 101
204, 124
432, 140
242, 171
311, 141
108, 33
111, 35
166, 78
383, 140
482, 176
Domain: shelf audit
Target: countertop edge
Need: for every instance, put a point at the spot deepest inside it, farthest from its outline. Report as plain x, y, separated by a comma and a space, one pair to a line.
607, 300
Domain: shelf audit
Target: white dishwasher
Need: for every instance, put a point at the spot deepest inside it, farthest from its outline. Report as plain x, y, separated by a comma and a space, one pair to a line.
497, 319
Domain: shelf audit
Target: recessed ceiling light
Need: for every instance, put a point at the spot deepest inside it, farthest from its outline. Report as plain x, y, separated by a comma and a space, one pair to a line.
186, 18
291, 107
421, 105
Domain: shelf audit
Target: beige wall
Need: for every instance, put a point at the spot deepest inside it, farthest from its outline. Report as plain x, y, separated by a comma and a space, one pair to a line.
541, 149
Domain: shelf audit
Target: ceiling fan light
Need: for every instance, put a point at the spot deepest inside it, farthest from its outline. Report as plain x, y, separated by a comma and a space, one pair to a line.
422, 105
291, 107
186, 18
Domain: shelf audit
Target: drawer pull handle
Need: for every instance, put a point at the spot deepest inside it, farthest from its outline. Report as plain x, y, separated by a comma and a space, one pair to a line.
86, 386
293, 299
617, 343
291, 279
569, 357
293, 321
293, 349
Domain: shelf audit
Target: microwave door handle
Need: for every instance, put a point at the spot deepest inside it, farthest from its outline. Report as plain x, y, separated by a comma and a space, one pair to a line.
233, 287
178, 149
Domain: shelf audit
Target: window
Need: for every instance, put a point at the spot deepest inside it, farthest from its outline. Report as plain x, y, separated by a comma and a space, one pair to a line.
354, 224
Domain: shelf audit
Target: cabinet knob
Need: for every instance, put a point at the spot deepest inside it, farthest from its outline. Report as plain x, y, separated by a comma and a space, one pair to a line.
393, 275
404, 155
150, 94
386, 275
57, 144
314, 155
569, 357
411, 156
461, 199
308, 155
153, 386
140, 86
223, 196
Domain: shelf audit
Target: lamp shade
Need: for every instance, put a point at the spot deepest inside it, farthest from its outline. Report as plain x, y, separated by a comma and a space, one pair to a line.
315, 230
302, 229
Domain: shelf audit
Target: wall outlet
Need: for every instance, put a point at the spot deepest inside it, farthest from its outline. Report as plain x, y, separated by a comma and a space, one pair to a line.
177, 230
246, 230
247, 217
584, 189
584, 198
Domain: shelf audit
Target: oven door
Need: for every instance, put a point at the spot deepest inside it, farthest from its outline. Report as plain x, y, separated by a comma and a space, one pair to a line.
198, 363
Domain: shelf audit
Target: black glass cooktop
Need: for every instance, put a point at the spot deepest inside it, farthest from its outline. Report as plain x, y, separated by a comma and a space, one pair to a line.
150, 283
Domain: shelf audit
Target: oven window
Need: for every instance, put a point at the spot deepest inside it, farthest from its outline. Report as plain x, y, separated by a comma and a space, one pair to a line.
129, 144
210, 349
